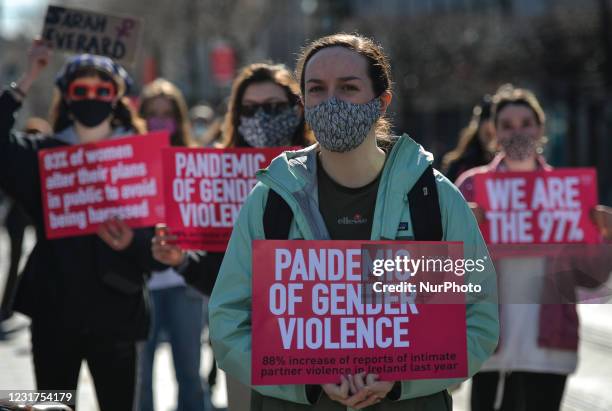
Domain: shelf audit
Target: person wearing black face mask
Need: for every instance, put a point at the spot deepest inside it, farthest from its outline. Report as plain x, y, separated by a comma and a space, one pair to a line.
85, 295
90, 102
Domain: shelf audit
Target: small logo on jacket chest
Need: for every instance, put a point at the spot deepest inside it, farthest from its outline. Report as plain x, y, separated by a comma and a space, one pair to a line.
403, 226
356, 219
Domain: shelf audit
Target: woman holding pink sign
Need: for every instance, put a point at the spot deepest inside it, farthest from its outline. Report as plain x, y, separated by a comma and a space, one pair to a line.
355, 184
85, 294
264, 111
539, 337
177, 309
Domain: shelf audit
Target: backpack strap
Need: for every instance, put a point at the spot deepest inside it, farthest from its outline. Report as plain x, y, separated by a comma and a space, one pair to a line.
277, 217
425, 208
424, 211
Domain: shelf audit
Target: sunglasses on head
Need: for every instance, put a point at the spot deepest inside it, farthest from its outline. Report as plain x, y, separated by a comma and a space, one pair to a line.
268, 108
104, 91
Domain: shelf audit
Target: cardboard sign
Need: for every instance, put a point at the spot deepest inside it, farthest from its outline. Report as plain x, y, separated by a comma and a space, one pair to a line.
81, 31
205, 189
538, 207
85, 185
312, 323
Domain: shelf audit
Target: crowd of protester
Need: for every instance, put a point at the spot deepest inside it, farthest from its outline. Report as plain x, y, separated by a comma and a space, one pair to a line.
110, 298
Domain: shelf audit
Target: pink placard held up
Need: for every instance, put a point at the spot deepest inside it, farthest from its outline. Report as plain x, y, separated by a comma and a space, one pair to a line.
538, 207
205, 188
312, 322
84, 185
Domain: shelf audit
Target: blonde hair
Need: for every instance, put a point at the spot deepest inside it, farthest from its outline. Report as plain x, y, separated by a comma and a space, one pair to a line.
509, 95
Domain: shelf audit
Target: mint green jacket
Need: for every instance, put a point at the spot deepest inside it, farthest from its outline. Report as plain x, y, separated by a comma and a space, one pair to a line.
293, 176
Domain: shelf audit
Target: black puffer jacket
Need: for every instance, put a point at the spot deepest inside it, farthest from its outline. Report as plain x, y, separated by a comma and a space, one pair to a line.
79, 284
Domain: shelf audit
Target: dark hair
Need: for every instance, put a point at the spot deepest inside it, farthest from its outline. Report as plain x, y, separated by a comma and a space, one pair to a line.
508, 95
162, 88
261, 73
468, 138
379, 68
123, 114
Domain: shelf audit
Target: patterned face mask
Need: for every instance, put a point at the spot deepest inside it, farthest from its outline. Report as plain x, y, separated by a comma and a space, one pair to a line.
270, 130
518, 146
341, 126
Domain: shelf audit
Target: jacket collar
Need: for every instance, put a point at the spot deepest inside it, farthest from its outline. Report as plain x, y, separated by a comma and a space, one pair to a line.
293, 175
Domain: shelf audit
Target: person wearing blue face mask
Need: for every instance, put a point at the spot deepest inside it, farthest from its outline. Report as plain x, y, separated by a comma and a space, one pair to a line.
202, 119
352, 185
85, 295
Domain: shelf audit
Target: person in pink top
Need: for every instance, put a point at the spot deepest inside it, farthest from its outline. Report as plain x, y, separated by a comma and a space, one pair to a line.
538, 342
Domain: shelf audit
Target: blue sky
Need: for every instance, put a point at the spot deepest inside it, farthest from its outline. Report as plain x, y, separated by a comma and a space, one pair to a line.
22, 16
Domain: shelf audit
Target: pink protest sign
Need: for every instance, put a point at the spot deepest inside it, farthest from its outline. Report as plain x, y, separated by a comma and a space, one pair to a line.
86, 184
313, 319
205, 189
538, 207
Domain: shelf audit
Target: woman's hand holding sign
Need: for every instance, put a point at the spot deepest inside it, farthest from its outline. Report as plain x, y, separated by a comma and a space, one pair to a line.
39, 56
337, 392
478, 212
366, 390
340, 393
602, 217
116, 233
378, 389
163, 250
